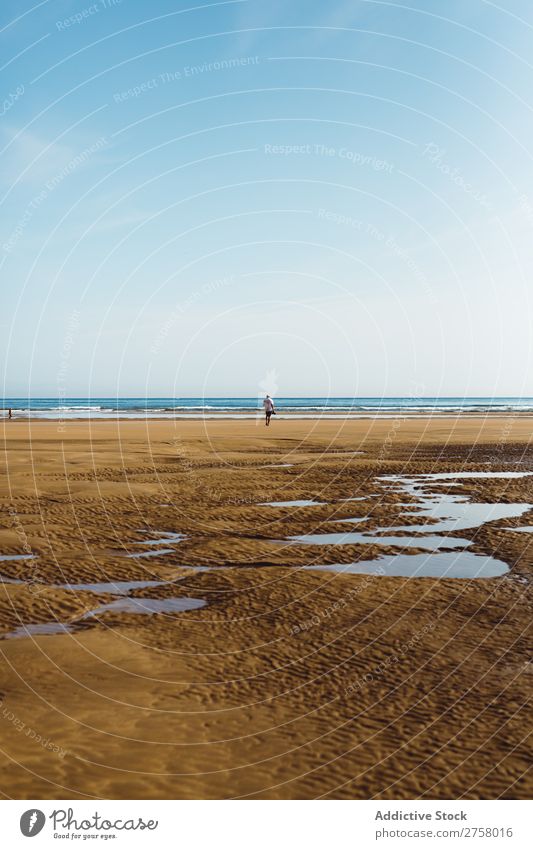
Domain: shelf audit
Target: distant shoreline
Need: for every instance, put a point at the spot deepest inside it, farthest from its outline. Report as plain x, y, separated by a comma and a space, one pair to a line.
355, 416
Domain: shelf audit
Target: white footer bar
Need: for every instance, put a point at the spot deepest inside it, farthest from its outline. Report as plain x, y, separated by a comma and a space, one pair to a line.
267, 824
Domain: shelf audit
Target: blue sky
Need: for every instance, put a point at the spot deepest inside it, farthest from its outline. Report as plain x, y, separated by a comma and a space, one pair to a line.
316, 198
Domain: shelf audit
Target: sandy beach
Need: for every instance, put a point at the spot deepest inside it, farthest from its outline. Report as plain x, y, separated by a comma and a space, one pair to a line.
277, 681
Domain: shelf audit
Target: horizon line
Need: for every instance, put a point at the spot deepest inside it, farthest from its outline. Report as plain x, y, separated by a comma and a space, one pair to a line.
246, 397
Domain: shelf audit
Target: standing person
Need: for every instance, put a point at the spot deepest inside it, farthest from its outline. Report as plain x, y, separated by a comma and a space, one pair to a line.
268, 404
10, 413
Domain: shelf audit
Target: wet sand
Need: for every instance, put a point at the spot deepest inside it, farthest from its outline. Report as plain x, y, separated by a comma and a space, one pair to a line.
287, 683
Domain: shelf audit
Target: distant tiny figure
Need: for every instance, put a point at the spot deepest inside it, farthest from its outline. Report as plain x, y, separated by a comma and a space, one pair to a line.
268, 404
10, 413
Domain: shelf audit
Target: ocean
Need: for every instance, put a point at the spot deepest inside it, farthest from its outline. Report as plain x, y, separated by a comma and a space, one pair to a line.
251, 407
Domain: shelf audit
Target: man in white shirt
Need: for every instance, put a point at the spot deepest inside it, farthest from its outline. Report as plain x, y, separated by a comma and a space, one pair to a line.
268, 404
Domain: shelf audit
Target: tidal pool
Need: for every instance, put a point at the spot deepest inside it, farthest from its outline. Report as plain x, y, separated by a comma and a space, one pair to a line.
302, 503
164, 538
112, 587
17, 556
148, 605
35, 630
431, 543
120, 605
453, 512
156, 553
445, 513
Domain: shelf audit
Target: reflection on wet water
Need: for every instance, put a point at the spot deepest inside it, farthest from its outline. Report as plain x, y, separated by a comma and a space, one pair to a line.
352, 521
148, 605
446, 513
112, 587
301, 503
462, 516
35, 630
359, 497
444, 476
156, 553
164, 538
455, 512
125, 604
432, 543
17, 556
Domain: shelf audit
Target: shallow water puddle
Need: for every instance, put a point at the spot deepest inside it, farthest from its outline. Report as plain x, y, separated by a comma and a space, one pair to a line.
156, 553
456, 512
35, 630
112, 587
433, 543
360, 497
446, 513
148, 605
462, 564
302, 503
125, 604
460, 516
120, 605
341, 452
425, 540
164, 538
352, 521
445, 476
17, 556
